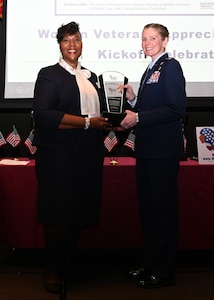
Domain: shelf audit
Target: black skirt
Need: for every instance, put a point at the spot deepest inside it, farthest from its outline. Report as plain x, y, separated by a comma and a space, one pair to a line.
69, 187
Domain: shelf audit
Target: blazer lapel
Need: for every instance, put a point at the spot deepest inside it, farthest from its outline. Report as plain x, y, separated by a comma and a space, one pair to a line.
144, 78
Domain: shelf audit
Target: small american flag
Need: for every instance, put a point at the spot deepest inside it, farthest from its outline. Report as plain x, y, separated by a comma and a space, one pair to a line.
2, 140
13, 138
110, 141
28, 143
130, 141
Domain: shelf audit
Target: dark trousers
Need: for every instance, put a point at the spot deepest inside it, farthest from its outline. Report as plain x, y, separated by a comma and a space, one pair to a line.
158, 203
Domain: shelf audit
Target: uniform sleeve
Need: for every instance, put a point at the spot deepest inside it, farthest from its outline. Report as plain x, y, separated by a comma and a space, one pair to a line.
169, 97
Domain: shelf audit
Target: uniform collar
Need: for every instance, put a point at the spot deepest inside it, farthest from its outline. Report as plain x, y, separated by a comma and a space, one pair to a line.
152, 63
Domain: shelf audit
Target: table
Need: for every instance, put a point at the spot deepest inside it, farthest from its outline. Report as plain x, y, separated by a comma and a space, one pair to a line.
120, 224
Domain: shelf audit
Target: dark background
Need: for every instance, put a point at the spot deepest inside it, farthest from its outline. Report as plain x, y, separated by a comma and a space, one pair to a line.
200, 112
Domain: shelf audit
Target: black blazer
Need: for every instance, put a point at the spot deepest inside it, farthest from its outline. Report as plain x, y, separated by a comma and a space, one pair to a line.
161, 105
56, 93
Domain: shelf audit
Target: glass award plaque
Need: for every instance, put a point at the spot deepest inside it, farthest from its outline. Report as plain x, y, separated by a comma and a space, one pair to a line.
114, 100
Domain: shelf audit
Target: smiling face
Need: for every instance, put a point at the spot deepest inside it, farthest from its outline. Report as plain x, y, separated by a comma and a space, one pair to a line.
71, 48
153, 43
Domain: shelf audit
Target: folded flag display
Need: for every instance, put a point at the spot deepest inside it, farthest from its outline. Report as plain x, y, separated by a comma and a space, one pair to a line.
110, 141
2, 140
13, 138
29, 141
130, 141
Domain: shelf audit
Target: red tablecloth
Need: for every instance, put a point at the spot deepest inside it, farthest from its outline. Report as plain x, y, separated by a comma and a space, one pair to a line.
119, 225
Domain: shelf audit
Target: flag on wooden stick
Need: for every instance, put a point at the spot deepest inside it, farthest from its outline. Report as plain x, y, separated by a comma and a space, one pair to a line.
13, 138
29, 143
2, 140
130, 141
110, 141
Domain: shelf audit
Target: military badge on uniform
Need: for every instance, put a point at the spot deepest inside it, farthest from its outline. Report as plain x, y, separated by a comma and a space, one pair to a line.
154, 77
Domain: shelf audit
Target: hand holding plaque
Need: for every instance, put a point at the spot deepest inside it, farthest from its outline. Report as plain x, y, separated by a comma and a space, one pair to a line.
114, 100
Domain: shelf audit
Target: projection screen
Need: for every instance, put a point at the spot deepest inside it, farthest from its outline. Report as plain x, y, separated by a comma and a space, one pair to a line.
111, 32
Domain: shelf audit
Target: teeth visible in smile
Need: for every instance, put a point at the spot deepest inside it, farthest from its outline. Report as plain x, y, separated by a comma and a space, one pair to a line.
72, 51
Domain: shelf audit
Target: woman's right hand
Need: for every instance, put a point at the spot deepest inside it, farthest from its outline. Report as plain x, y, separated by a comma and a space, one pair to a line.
100, 123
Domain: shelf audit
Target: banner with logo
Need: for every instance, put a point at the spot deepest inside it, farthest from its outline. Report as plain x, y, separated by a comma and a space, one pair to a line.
205, 144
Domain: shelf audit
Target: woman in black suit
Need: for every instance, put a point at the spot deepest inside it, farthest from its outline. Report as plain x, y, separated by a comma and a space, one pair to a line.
70, 151
159, 110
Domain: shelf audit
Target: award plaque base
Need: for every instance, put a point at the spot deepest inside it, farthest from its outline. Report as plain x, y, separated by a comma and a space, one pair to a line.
114, 118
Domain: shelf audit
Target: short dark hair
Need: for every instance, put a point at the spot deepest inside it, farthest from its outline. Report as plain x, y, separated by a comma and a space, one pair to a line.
70, 28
